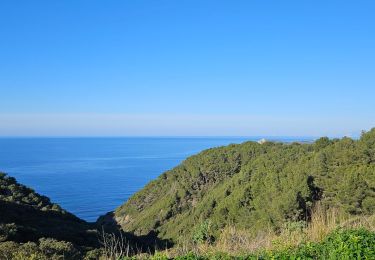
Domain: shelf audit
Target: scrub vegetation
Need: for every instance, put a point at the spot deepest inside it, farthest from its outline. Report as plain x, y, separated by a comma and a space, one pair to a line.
255, 187
253, 200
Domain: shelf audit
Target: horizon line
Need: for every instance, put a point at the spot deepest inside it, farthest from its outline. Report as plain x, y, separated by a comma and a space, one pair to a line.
167, 136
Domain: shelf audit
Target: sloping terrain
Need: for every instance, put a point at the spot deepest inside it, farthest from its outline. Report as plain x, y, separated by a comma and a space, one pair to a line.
27, 216
255, 186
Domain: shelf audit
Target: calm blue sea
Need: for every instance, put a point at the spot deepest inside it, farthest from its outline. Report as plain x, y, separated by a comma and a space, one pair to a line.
91, 176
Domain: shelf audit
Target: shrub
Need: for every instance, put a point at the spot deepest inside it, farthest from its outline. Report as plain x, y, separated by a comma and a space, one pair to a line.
30, 251
341, 244
190, 256
53, 248
94, 254
203, 232
7, 249
349, 244
7, 231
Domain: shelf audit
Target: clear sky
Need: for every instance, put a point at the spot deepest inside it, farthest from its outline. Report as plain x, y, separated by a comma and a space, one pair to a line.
196, 67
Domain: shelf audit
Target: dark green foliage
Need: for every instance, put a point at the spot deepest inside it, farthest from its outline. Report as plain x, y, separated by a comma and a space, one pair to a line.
44, 249
51, 247
12, 191
7, 231
27, 216
192, 256
39, 229
31, 227
255, 186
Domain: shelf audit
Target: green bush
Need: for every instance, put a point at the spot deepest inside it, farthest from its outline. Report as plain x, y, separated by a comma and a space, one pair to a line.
46, 249
93, 254
53, 248
7, 231
341, 244
203, 233
31, 251
7, 249
190, 256
349, 244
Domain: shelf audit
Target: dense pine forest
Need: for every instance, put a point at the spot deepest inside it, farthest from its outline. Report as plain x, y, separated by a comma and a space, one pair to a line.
253, 200
255, 186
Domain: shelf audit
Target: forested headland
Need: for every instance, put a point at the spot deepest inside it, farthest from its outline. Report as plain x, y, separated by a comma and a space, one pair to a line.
252, 200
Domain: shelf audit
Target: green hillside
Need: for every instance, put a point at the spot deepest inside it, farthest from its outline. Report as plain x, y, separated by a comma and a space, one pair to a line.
32, 227
27, 216
255, 187
269, 200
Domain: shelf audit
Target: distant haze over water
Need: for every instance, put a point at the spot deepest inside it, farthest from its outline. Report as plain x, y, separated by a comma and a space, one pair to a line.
91, 176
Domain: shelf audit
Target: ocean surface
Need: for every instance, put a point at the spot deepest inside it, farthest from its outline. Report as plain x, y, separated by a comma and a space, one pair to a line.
92, 176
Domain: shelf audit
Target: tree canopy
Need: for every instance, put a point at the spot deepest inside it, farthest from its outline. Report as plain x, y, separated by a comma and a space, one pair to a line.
255, 186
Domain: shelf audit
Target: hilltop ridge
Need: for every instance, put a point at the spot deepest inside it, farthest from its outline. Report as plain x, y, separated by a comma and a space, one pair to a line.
255, 186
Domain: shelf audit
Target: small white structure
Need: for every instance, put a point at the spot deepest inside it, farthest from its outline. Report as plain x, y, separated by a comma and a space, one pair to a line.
262, 141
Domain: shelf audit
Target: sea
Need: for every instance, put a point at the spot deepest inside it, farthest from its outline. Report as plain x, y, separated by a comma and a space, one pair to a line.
92, 176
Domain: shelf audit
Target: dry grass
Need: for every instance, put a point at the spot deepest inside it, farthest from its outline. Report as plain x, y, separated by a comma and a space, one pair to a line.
324, 221
235, 241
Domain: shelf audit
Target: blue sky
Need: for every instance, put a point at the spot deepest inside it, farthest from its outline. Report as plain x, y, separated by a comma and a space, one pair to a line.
186, 67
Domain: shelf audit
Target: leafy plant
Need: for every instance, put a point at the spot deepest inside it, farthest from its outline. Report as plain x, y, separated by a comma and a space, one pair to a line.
203, 232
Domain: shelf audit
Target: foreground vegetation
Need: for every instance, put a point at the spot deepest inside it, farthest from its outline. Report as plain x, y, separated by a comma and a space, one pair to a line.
341, 244
329, 235
247, 201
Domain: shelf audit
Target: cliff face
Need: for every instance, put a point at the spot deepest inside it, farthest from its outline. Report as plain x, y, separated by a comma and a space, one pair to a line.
255, 186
